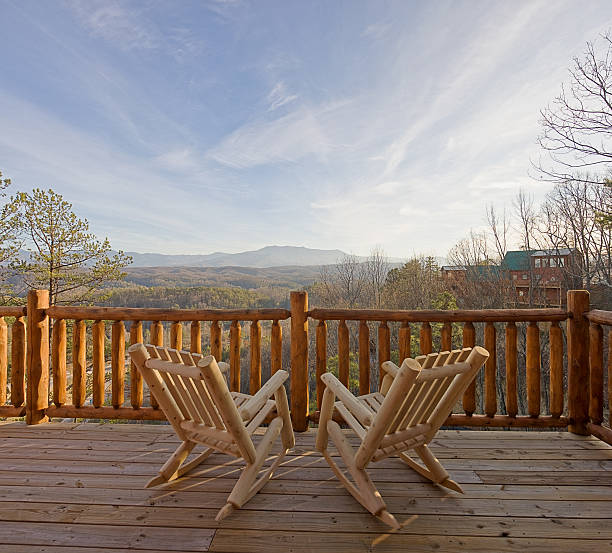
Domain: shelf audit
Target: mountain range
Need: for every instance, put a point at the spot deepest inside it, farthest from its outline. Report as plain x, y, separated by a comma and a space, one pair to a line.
269, 256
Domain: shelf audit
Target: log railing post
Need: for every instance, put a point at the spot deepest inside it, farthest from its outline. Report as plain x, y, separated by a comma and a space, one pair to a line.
578, 361
299, 361
37, 357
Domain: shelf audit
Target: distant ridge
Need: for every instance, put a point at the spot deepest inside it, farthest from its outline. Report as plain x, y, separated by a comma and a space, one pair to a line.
269, 256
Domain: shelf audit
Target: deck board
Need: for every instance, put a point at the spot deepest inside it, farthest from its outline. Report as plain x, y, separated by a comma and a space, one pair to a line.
78, 488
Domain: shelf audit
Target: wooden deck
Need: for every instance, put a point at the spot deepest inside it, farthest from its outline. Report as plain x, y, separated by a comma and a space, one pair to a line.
79, 488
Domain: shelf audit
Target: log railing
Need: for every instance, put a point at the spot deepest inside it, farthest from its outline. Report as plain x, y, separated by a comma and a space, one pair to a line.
379, 324
598, 321
71, 347
91, 325
13, 358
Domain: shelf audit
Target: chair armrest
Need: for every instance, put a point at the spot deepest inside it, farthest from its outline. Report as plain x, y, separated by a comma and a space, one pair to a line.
390, 368
358, 409
250, 408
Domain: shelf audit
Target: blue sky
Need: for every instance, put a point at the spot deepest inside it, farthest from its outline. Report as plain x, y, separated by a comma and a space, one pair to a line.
194, 126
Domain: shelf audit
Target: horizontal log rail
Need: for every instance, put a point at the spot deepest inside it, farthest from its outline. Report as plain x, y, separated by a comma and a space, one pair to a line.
439, 316
13, 311
598, 316
155, 314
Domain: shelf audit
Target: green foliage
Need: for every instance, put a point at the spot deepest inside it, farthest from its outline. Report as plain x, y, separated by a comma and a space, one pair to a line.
604, 218
63, 255
332, 367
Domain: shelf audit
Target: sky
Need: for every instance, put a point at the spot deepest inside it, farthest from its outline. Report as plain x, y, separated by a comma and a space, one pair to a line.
229, 125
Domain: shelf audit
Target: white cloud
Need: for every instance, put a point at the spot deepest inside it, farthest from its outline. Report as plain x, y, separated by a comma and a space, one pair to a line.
279, 96
112, 21
284, 139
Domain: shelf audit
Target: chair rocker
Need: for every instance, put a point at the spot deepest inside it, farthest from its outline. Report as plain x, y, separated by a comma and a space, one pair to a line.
192, 392
405, 415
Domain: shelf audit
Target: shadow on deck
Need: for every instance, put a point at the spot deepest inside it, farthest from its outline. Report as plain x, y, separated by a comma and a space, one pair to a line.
78, 488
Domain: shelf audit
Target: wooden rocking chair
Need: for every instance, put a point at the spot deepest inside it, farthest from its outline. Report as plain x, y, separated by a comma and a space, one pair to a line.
406, 414
192, 392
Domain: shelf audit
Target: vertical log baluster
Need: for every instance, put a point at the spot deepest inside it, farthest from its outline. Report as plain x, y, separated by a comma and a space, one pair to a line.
118, 363
276, 347
156, 339
384, 349
216, 347
490, 370
404, 342
343, 353
610, 377
37, 332
578, 302
556, 369
425, 340
79, 362
136, 387
58, 361
195, 344
321, 359
532, 366
3, 359
176, 335
511, 370
235, 332
255, 351
596, 373
364, 358
299, 361
446, 337
98, 333
469, 397
18, 362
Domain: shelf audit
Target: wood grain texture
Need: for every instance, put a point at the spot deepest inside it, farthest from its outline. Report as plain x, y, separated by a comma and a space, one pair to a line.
79, 363
98, 335
320, 359
578, 360
299, 360
555, 335
118, 364
469, 397
533, 369
18, 362
235, 344
65, 490
58, 361
511, 370
136, 385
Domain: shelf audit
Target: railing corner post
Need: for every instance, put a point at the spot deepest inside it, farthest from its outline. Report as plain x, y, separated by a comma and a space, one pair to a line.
37, 397
299, 361
578, 361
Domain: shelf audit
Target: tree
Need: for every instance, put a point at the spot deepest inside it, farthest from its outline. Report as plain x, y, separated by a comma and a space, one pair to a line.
9, 247
576, 130
63, 255
415, 285
570, 218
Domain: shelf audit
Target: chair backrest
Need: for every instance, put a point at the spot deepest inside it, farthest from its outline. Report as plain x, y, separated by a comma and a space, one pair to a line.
193, 394
420, 399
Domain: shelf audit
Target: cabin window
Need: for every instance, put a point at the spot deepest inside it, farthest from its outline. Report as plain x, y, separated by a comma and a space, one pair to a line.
561, 262
524, 277
553, 262
521, 292
538, 262
514, 277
